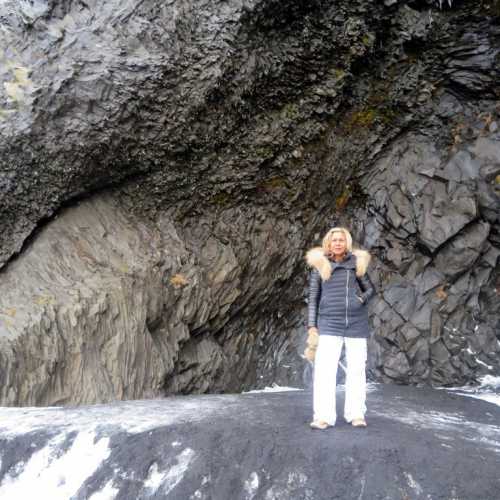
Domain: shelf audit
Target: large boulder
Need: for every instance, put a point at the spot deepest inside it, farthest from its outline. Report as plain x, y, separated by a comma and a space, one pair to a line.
420, 443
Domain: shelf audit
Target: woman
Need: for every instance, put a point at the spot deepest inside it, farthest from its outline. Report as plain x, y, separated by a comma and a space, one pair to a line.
339, 291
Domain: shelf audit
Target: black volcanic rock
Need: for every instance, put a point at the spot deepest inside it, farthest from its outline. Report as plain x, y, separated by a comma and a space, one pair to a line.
163, 168
420, 443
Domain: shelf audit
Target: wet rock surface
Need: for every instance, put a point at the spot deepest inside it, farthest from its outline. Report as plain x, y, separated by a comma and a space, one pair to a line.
420, 443
164, 168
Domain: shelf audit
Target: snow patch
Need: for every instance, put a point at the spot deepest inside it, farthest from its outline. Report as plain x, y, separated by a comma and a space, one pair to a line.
167, 480
363, 484
277, 388
109, 492
370, 387
490, 398
59, 474
412, 483
487, 390
273, 388
154, 478
199, 494
490, 382
176, 473
296, 479
288, 487
251, 486
448, 427
479, 362
131, 416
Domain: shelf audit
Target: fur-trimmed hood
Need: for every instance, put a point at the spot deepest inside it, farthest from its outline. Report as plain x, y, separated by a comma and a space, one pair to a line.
316, 258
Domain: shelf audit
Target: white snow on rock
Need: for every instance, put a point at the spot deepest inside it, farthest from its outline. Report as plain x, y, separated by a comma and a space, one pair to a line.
57, 472
490, 398
273, 388
488, 390
176, 473
109, 492
165, 481
278, 388
251, 486
81, 447
447, 426
413, 484
154, 478
490, 382
130, 416
287, 487
478, 361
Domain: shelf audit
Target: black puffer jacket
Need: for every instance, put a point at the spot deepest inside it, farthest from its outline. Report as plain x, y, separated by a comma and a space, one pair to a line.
338, 304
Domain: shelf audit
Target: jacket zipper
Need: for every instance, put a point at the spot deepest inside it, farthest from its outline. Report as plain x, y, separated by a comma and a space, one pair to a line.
346, 299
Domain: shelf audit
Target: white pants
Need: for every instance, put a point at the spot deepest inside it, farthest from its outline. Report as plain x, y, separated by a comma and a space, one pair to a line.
325, 378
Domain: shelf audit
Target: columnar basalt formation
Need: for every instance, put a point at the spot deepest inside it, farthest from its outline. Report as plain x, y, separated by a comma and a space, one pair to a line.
163, 169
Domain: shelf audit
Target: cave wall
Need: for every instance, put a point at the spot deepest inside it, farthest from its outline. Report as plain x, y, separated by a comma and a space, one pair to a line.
103, 306
435, 225
164, 168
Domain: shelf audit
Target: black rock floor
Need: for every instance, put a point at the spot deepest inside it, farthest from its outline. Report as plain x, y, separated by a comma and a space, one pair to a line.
420, 444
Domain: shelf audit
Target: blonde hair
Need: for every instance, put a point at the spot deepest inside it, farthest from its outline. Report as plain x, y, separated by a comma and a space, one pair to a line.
317, 257
327, 240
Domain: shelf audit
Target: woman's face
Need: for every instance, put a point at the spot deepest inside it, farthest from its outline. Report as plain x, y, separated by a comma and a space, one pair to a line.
338, 244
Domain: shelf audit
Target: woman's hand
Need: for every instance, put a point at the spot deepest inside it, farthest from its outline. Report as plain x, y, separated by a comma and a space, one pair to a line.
312, 343
312, 331
312, 336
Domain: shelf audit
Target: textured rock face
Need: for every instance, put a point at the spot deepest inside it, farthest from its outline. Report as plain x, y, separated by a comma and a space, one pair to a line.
102, 306
436, 224
214, 142
199, 95
86, 295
